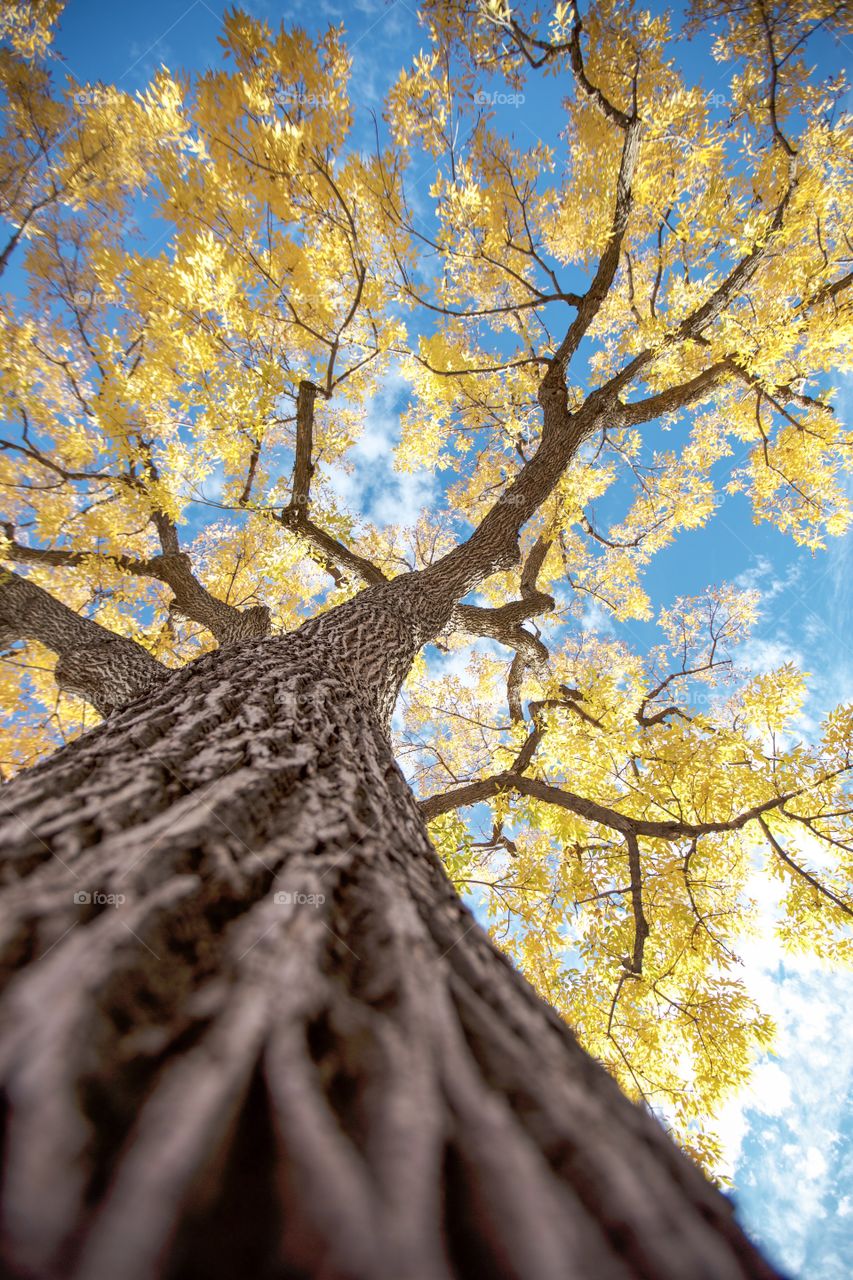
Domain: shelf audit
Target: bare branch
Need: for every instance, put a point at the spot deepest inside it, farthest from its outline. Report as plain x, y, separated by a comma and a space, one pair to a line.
641, 924
673, 398
801, 871
303, 467
662, 829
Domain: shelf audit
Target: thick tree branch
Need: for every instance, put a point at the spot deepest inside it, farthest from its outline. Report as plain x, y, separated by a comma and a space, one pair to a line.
679, 396
106, 669
532, 565
303, 467
571, 700
338, 560
174, 567
60, 558
517, 668
673, 398
528, 749
191, 599
494, 543
503, 620
228, 624
646, 722
254, 457
529, 574
661, 829
504, 625
167, 532
641, 924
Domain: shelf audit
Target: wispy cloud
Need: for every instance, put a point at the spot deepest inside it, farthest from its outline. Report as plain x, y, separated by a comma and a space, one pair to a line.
597, 619
367, 482
758, 654
788, 1135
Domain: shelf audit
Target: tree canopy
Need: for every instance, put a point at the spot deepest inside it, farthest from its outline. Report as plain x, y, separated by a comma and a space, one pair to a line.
216, 278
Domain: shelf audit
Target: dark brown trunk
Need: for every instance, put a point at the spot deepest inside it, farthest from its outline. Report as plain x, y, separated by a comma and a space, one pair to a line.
290, 1051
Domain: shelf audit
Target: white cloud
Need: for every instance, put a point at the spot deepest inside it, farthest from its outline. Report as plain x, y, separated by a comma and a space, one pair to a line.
456, 663
378, 438
815, 1166
758, 655
366, 482
763, 576
782, 1133
404, 500
771, 1089
598, 619
343, 483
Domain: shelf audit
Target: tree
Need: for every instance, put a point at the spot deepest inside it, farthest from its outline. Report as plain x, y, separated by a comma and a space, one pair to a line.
249, 1024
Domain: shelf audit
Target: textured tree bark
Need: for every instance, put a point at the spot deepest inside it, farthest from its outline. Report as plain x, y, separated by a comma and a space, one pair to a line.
105, 669
248, 1028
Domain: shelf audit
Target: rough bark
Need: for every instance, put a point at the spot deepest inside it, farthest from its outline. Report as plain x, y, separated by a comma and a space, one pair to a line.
290, 1051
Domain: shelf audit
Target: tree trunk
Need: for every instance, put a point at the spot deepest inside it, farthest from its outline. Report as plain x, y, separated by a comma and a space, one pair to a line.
248, 1028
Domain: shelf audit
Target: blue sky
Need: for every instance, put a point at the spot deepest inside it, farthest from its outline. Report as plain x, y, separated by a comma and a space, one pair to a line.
790, 1135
